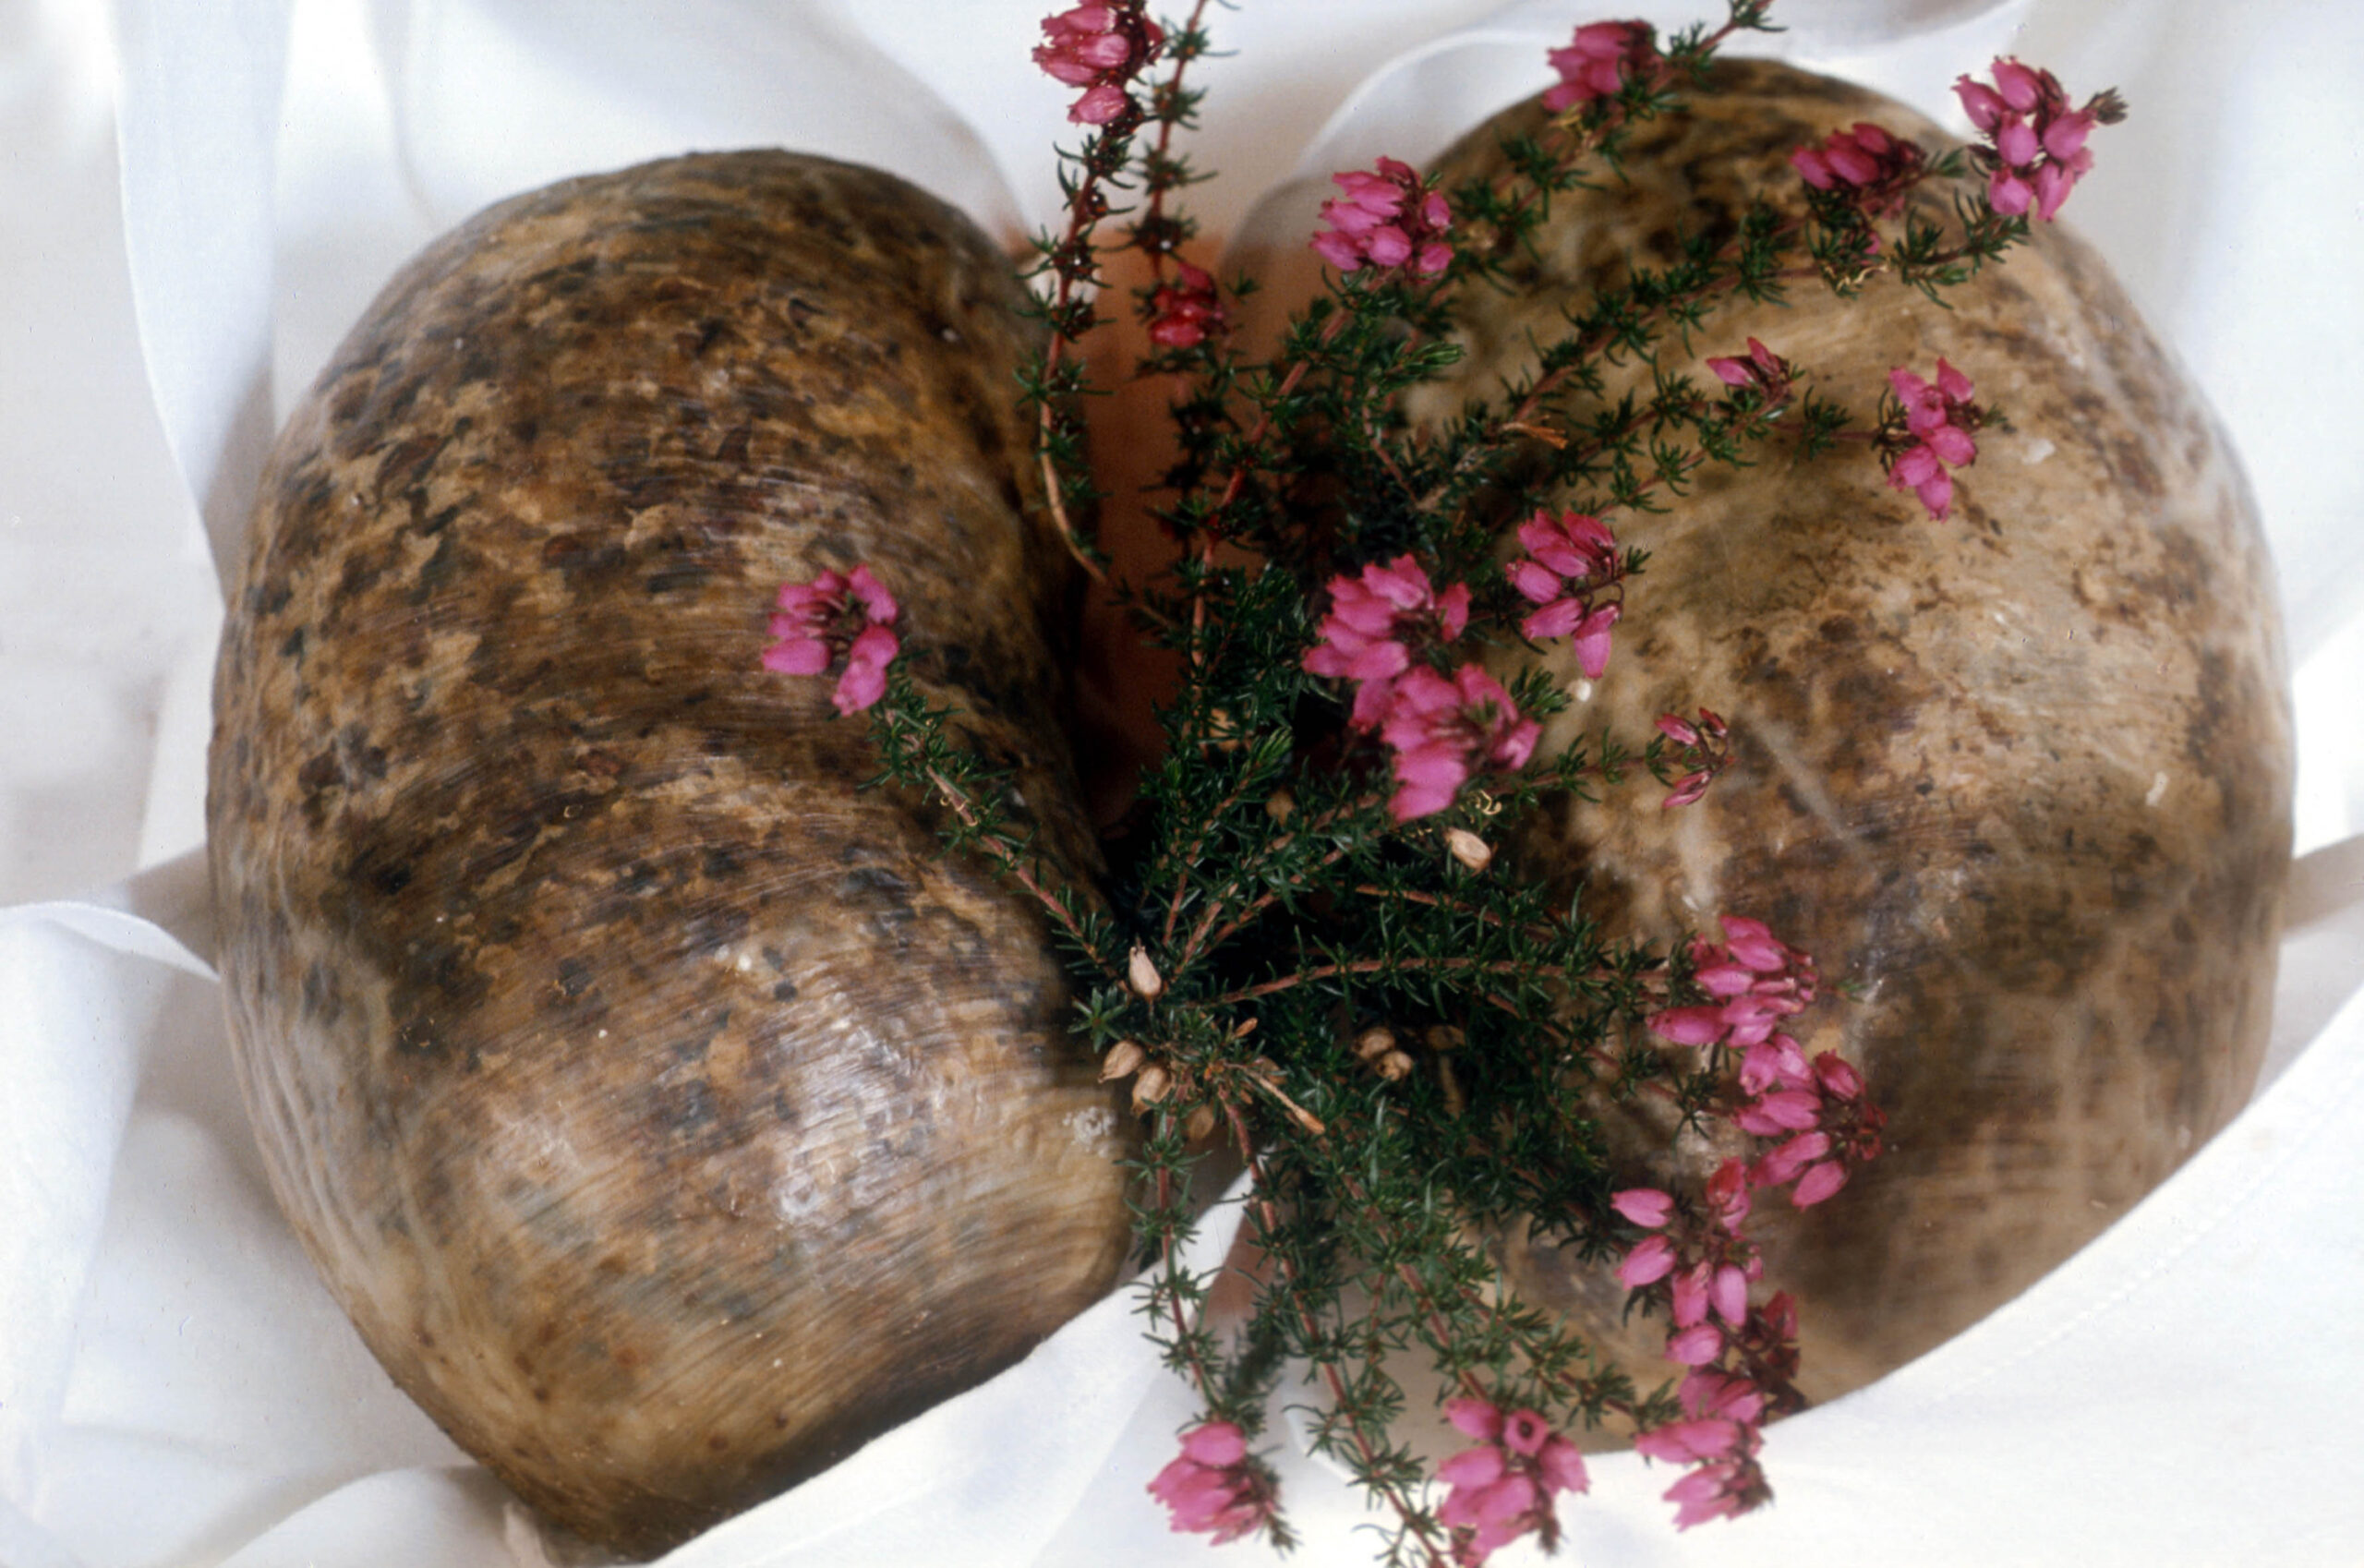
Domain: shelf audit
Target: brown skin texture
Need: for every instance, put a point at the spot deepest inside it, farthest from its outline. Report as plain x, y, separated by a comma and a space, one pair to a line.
672, 1114
2022, 774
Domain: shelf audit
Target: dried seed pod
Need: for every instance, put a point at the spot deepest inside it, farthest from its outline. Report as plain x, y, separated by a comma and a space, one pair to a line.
1154, 1084
1468, 849
1141, 974
670, 1114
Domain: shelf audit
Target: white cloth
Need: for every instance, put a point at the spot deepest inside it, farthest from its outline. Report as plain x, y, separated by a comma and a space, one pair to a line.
176, 1388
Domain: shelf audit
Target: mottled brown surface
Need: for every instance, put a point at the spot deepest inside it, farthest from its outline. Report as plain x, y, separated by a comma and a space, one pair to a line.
670, 1115
2023, 775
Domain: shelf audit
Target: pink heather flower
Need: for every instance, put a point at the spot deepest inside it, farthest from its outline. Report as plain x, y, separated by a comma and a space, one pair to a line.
1561, 1467
1646, 1206
1753, 942
1727, 1294
1819, 1182
1689, 1292
1727, 1194
1213, 1487
1724, 1489
1364, 636
2036, 152
1569, 559
1838, 1075
1819, 1110
1361, 637
865, 681
1388, 219
1706, 1393
1473, 1469
1475, 1417
1651, 1259
1690, 1026
1780, 1113
1686, 791
1776, 1060
1763, 371
1182, 314
1940, 417
1875, 170
1685, 1442
1444, 730
1783, 1165
851, 611
1600, 59
1705, 751
1100, 48
1757, 979
1503, 1489
1696, 1345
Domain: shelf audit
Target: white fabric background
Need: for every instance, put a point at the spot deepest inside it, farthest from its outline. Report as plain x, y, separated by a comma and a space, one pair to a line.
173, 1387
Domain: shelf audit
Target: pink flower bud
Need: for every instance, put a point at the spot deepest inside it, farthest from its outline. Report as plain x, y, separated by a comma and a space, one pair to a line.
1474, 1469
1729, 1294
1783, 1111
1646, 1206
2020, 87
1689, 1026
1686, 1442
2065, 138
1651, 1259
1476, 1418
798, 656
1982, 104
1695, 1346
1750, 943
1732, 372
1687, 789
1728, 1193
2053, 183
1706, 1392
1561, 1467
1775, 1059
1819, 1182
2017, 142
1217, 1442
1590, 641
1099, 105
1725, 979
1690, 1296
1838, 1075
1782, 1166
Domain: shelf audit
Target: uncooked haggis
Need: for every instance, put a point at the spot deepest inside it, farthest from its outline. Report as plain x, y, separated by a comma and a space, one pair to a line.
670, 1114
2023, 775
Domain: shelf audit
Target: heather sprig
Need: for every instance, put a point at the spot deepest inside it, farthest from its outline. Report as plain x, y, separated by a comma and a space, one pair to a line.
1311, 959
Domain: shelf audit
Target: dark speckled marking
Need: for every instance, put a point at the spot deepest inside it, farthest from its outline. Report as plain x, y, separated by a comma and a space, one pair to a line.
639, 1085
2052, 844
